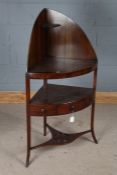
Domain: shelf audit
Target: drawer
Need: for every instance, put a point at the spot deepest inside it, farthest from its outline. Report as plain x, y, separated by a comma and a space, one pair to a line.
59, 109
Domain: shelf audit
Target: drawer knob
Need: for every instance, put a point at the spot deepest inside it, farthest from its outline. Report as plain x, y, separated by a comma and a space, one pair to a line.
43, 110
72, 108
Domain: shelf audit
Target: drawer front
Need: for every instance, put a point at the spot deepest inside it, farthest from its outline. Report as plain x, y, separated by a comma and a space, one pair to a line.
74, 107
59, 109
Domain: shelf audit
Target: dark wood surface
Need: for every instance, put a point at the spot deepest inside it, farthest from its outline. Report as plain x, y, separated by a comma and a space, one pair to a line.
60, 99
60, 138
58, 48
52, 67
57, 94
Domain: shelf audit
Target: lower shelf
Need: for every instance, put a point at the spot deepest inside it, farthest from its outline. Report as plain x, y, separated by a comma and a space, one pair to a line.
60, 138
60, 100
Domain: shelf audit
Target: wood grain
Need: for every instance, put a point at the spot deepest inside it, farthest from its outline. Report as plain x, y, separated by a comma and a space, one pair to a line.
106, 97
19, 97
58, 48
12, 97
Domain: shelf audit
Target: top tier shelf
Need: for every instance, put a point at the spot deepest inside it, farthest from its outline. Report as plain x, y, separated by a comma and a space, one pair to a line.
58, 48
55, 68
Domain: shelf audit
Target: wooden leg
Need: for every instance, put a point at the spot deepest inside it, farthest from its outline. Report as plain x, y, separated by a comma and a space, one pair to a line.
92, 122
44, 123
28, 140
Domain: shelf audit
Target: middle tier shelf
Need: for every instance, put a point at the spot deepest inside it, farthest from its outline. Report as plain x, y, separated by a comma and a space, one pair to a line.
60, 100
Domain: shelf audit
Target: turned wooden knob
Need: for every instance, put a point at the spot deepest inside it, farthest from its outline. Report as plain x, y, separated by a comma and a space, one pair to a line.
72, 108
43, 110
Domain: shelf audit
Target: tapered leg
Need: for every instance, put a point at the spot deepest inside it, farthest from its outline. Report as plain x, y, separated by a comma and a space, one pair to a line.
93, 106
45, 86
28, 140
92, 122
44, 123
28, 119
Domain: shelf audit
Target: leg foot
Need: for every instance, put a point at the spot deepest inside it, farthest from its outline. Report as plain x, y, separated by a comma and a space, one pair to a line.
92, 123
94, 137
28, 140
27, 159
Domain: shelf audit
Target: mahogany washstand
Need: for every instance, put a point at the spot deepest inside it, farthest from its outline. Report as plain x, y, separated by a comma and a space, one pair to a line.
58, 49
